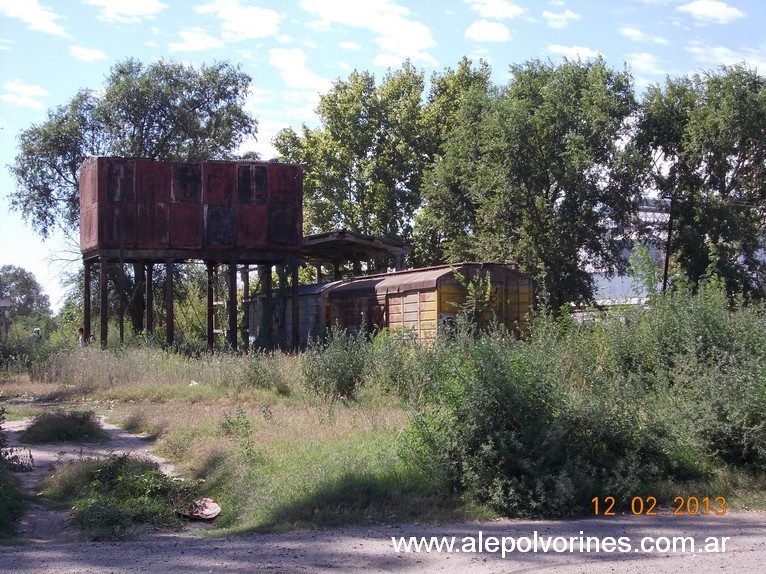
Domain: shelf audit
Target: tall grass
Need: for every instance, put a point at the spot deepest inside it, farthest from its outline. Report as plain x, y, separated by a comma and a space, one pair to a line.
619, 405
665, 400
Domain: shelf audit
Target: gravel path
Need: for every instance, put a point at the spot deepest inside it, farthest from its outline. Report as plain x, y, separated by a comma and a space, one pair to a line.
51, 548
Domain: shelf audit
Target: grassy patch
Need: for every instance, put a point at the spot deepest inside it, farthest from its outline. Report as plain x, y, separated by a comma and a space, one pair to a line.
64, 426
113, 496
11, 502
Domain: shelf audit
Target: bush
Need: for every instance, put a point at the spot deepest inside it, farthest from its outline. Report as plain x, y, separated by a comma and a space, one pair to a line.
63, 426
114, 495
11, 499
336, 369
614, 406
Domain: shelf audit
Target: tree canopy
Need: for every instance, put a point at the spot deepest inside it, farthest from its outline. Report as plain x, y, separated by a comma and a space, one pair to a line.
541, 172
26, 296
706, 135
163, 111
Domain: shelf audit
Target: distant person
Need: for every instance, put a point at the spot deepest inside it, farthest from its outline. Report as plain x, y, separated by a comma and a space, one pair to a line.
81, 336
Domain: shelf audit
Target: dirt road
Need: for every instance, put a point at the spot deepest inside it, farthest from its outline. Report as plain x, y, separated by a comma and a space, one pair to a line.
50, 549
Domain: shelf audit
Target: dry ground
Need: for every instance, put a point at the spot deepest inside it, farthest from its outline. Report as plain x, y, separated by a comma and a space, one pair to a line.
51, 547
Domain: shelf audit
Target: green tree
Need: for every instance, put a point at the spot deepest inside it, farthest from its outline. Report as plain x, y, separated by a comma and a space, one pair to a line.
364, 162
28, 302
543, 173
706, 134
452, 120
165, 111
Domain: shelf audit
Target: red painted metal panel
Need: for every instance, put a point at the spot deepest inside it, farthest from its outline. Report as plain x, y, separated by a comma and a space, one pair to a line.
219, 182
186, 183
283, 180
89, 226
186, 225
252, 226
153, 196
120, 180
227, 206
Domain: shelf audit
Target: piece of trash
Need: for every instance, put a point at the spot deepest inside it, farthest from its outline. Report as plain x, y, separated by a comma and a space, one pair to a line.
202, 509
193, 384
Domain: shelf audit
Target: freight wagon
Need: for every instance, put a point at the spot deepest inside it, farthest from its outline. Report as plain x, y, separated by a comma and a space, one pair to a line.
419, 301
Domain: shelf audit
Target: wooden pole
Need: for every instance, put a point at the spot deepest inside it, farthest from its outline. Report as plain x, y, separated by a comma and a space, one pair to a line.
170, 324
86, 299
104, 302
245, 274
210, 305
233, 308
149, 298
296, 306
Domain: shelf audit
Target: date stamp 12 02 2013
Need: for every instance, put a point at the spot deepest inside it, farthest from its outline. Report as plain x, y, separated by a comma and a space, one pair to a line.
647, 506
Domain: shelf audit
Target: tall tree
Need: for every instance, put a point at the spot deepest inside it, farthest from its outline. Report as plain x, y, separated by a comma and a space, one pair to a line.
452, 120
706, 133
364, 162
163, 111
26, 296
544, 173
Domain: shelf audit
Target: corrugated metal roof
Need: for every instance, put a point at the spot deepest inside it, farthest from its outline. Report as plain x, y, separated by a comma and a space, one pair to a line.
393, 282
315, 288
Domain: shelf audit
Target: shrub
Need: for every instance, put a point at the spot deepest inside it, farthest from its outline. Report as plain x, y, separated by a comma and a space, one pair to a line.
112, 496
335, 369
612, 406
62, 426
11, 499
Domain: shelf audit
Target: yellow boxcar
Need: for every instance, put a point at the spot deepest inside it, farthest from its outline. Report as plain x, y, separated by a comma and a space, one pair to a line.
422, 301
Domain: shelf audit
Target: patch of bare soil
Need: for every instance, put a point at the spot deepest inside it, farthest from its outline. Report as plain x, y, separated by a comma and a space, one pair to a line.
477, 547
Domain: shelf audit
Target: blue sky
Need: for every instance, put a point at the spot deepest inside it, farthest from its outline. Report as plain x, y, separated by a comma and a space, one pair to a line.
294, 50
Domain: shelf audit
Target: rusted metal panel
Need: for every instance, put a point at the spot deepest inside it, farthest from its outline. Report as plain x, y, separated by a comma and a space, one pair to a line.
217, 207
252, 228
220, 225
186, 225
186, 183
252, 184
284, 224
120, 184
219, 182
152, 199
282, 180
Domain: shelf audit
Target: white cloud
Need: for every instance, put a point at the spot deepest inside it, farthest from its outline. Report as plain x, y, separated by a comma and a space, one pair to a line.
240, 22
717, 55
712, 11
36, 17
349, 46
24, 94
87, 54
291, 64
646, 63
639, 36
486, 31
195, 40
132, 12
560, 20
573, 52
398, 36
496, 9
19, 87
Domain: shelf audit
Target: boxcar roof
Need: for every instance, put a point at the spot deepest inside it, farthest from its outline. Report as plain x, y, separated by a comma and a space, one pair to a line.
397, 282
